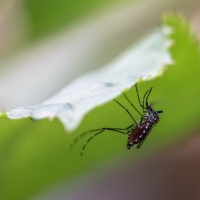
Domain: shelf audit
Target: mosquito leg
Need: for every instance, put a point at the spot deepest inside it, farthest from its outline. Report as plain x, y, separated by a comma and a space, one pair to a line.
143, 106
129, 131
126, 110
104, 129
83, 148
132, 104
81, 135
139, 97
148, 96
128, 127
137, 94
123, 129
100, 129
141, 120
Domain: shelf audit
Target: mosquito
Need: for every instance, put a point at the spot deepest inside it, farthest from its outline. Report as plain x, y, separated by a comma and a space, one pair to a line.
138, 131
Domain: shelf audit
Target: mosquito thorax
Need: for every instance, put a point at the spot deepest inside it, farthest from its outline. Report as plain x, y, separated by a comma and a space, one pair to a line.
152, 115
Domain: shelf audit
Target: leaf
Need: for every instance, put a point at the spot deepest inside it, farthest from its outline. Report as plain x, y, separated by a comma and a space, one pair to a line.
145, 60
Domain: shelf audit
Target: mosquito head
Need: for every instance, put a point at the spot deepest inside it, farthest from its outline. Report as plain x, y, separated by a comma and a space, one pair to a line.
151, 110
152, 114
156, 111
148, 110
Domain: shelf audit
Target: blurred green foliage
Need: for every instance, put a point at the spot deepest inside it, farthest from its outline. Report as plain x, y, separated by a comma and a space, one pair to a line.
49, 15
35, 155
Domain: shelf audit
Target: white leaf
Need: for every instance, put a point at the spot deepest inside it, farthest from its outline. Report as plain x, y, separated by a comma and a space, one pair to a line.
146, 59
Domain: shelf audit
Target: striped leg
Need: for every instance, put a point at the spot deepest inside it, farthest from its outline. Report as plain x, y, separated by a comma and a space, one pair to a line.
104, 129
120, 130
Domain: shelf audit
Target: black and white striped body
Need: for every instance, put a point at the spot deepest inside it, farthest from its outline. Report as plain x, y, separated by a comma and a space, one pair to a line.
140, 132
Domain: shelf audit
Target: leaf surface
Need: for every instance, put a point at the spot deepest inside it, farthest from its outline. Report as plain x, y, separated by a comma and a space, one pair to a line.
145, 60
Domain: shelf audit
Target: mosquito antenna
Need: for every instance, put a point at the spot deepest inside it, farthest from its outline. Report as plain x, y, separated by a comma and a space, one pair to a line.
126, 110
153, 103
132, 104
